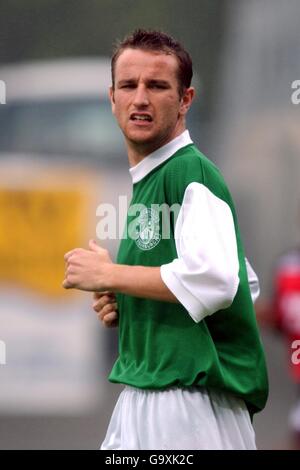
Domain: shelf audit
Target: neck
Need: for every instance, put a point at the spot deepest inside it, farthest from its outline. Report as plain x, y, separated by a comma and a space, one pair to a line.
138, 151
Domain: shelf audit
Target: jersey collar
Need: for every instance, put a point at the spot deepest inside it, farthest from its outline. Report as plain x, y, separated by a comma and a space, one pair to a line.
160, 155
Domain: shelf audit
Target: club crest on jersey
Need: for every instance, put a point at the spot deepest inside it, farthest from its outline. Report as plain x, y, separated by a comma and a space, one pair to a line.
148, 235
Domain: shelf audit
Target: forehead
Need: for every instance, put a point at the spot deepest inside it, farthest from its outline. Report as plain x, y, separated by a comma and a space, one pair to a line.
134, 62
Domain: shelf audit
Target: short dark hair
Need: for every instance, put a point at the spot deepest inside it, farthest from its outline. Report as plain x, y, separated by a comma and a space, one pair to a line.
150, 40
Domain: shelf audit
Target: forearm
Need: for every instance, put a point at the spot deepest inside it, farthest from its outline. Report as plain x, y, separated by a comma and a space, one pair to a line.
139, 281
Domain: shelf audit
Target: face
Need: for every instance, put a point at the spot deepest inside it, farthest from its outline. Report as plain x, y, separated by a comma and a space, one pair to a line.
146, 101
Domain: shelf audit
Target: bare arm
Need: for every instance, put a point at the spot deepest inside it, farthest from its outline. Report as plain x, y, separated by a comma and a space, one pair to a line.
139, 281
93, 270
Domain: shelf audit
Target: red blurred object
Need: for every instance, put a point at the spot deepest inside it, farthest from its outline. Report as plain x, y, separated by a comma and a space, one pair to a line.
287, 306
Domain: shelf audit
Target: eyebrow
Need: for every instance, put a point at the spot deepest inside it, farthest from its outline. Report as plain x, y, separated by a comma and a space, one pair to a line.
159, 82
152, 82
126, 82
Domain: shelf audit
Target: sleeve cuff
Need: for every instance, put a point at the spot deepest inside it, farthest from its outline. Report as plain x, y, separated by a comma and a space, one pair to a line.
189, 302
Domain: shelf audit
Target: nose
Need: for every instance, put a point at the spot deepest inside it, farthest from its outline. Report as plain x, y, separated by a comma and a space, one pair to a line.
141, 98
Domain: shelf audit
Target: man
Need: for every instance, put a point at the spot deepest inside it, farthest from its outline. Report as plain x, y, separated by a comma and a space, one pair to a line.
189, 349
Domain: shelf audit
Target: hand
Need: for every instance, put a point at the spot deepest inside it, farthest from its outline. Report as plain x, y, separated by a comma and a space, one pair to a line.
105, 306
87, 269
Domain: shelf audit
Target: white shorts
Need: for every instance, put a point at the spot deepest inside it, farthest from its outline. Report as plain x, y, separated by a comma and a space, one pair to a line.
179, 418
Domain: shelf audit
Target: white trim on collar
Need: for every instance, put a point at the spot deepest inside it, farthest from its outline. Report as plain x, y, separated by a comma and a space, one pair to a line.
159, 156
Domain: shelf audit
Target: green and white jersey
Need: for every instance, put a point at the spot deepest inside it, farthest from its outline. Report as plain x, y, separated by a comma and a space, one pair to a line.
182, 219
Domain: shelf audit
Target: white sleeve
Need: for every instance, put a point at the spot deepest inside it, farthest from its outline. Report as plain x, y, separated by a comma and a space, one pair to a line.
253, 281
204, 277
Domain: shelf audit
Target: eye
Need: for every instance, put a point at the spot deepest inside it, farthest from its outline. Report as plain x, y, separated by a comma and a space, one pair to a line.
158, 86
128, 86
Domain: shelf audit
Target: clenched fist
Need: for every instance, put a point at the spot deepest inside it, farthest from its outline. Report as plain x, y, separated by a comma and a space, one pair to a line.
105, 306
87, 269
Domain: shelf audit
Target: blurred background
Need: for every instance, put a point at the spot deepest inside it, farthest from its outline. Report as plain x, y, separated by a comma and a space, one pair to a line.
61, 155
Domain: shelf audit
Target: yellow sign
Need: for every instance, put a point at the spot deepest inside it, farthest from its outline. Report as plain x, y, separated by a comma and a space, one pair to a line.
37, 227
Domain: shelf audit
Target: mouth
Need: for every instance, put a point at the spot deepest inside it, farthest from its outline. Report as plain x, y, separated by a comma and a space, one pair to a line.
141, 117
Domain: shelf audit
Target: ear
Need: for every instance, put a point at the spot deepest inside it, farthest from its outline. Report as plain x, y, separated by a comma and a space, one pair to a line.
112, 99
186, 100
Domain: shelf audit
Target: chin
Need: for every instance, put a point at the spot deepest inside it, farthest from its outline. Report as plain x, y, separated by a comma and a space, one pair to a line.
141, 137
